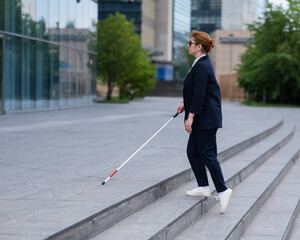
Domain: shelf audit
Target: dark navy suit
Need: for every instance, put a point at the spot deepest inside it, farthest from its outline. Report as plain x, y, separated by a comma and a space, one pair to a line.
201, 96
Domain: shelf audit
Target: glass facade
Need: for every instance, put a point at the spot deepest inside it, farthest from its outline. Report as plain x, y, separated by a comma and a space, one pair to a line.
49, 55
237, 14
206, 15
210, 15
132, 9
181, 34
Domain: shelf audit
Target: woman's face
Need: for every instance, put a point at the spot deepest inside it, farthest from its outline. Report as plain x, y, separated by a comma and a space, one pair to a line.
193, 47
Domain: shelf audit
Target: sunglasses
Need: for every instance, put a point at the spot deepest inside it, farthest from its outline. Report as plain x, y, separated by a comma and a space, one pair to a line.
190, 43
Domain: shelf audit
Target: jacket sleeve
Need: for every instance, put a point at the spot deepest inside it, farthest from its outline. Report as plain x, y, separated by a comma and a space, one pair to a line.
200, 80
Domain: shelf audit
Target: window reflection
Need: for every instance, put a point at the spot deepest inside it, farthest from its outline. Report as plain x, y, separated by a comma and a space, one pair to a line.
41, 74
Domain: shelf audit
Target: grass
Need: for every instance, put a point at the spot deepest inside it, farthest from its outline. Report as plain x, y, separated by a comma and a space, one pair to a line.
113, 100
261, 104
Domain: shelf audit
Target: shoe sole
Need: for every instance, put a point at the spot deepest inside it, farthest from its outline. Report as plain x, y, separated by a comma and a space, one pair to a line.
198, 195
227, 201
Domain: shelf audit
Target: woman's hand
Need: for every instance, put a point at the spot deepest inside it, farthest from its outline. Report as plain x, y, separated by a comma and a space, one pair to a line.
188, 123
180, 108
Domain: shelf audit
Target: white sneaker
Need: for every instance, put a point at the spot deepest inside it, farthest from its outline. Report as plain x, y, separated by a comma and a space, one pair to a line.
199, 192
224, 199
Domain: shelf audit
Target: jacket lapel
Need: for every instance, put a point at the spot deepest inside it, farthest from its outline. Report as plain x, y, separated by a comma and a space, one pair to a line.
201, 59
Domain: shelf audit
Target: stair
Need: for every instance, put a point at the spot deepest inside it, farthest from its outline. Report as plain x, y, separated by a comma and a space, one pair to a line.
275, 219
167, 89
118, 208
170, 215
256, 169
248, 200
295, 225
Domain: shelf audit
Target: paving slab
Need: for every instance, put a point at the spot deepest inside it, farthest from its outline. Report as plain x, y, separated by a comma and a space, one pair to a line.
52, 163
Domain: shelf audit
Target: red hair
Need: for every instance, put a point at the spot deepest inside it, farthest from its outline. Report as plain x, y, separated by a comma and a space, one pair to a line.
204, 39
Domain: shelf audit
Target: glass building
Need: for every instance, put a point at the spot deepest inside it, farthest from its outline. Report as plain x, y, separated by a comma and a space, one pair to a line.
210, 15
206, 15
181, 35
47, 53
132, 9
236, 14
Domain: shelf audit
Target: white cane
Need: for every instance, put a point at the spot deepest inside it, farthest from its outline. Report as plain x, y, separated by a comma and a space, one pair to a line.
139, 149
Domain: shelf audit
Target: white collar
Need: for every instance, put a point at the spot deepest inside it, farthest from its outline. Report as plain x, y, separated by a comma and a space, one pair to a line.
197, 59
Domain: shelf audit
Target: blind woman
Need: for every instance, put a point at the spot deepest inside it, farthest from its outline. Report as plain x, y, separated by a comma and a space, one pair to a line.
203, 116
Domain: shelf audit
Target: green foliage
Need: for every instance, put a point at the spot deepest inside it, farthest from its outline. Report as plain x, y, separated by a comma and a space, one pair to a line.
272, 63
121, 60
277, 105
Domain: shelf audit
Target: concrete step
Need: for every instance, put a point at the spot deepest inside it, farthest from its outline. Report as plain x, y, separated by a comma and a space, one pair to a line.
107, 217
247, 199
170, 215
276, 217
168, 88
295, 232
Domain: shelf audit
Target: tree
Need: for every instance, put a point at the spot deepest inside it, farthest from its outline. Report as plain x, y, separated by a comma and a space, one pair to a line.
272, 63
121, 60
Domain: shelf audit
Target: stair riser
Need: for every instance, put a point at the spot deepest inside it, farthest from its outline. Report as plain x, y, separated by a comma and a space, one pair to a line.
241, 226
205, 204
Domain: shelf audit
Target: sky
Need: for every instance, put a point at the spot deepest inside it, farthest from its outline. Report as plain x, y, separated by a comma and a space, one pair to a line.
282, 2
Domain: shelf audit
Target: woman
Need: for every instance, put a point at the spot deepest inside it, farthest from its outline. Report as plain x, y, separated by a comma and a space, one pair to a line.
203, 117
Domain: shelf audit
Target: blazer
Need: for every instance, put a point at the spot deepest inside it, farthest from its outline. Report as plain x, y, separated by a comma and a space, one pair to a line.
201, 96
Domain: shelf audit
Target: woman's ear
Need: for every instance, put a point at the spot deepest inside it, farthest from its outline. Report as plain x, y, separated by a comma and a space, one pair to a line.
201, 48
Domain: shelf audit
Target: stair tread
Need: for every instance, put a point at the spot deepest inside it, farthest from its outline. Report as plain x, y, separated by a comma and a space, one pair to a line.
161, 212
243, 197
274, 215
295, 235
247, 156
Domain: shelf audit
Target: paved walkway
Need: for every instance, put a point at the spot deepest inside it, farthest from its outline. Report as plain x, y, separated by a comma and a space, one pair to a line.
52, 163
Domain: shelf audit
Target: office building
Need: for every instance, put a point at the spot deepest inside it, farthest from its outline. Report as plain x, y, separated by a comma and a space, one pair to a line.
181, 35
210, 15
47, 56
226, 21
132, 9
225, 58
153, 20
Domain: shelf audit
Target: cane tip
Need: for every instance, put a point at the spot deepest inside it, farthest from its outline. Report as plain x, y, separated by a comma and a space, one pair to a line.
103, 183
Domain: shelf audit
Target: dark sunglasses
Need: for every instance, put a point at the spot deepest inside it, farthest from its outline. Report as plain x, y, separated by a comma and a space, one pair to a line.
190, 43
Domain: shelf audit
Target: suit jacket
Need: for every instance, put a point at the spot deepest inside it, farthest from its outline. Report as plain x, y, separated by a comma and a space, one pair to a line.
201, 96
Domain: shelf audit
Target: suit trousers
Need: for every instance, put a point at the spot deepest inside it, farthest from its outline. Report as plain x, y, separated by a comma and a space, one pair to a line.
202, 153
